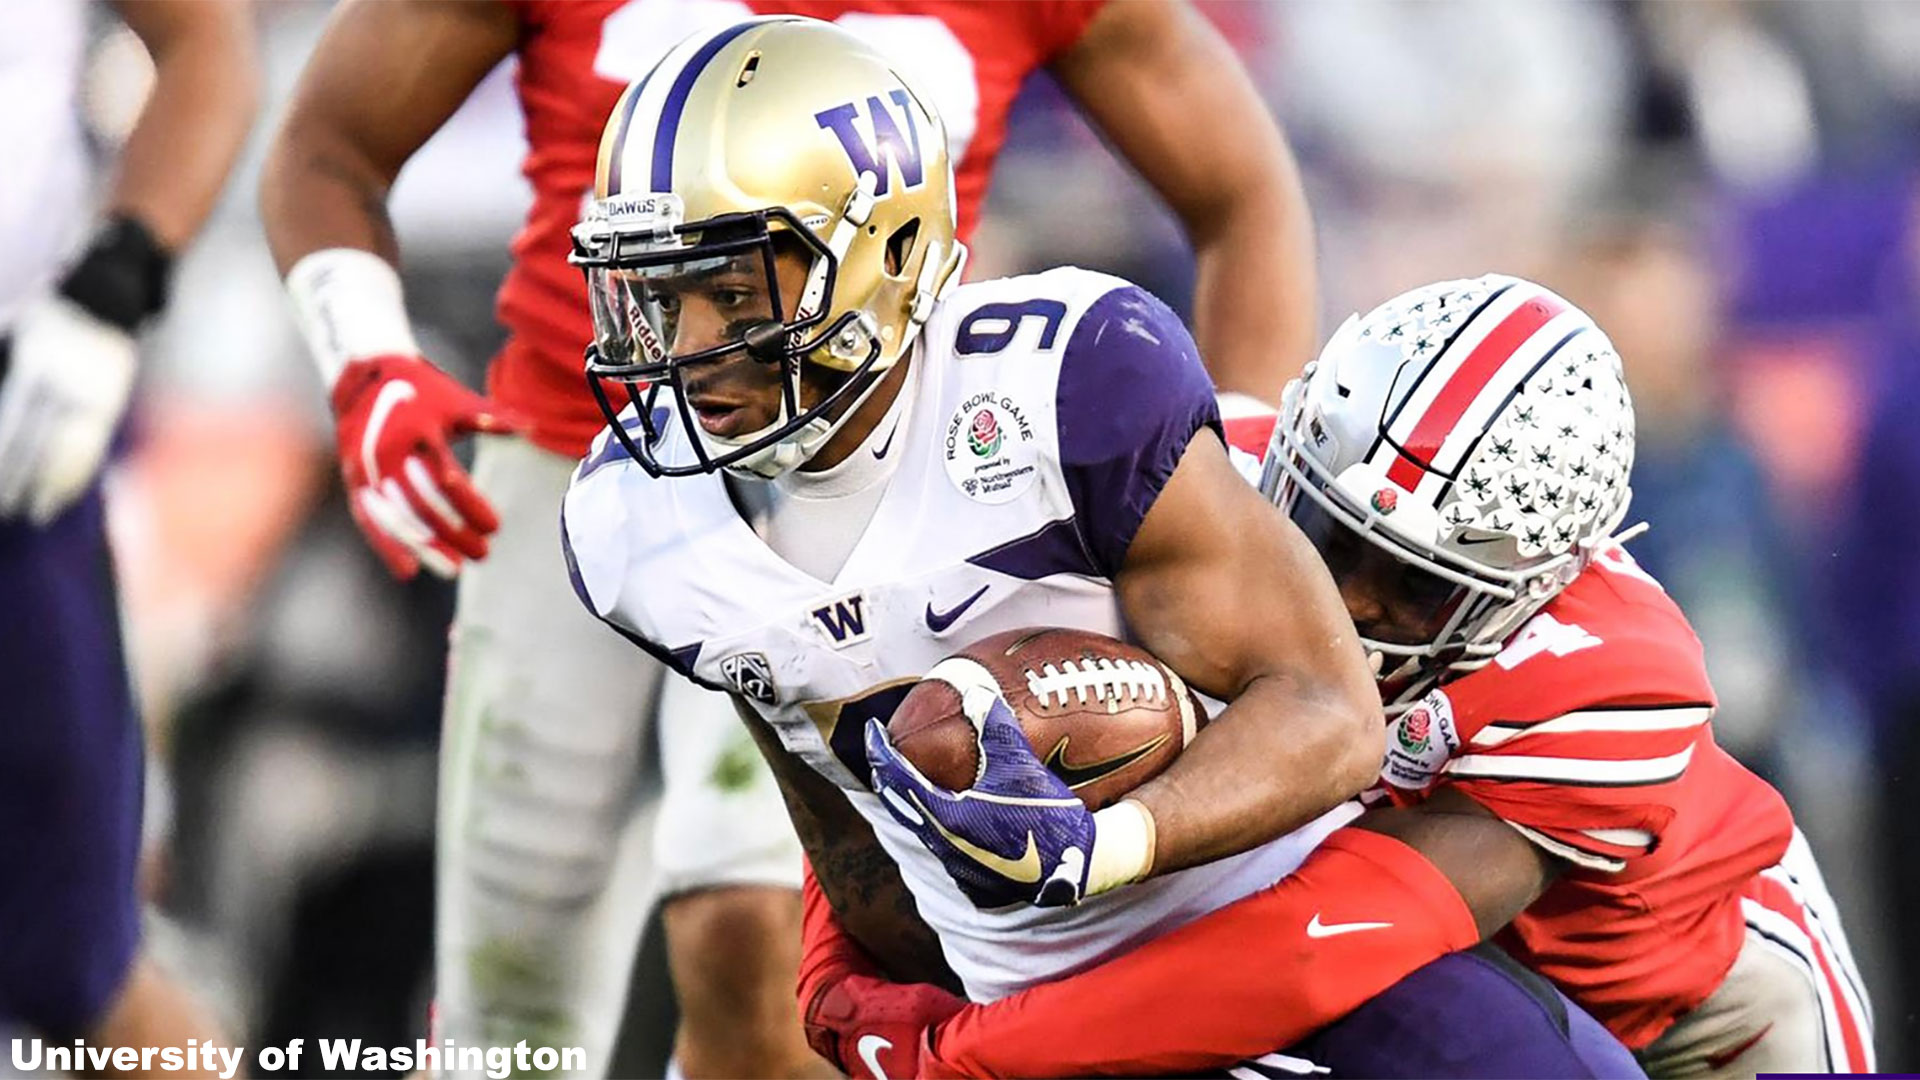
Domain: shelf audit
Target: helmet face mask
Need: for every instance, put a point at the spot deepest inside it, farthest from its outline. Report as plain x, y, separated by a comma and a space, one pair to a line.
1433, 613
716, 283
745, 146
1456, 456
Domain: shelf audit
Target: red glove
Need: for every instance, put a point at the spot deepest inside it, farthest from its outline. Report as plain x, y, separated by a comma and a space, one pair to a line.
872, 1028
416, 505
856, 1019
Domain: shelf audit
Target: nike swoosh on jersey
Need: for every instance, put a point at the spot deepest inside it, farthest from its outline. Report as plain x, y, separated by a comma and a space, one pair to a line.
1078, 776
1025, 869
1725, 1058
1318, 929
938, 621
869, 1048
881, 452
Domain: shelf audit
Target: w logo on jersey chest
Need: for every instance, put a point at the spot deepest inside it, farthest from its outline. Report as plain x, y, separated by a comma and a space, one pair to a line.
843, 621
902, 150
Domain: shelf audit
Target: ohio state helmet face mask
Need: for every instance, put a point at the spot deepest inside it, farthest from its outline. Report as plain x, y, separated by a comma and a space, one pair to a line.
1456, 455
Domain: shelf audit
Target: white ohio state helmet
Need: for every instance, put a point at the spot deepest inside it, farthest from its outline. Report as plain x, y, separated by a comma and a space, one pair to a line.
1479, 432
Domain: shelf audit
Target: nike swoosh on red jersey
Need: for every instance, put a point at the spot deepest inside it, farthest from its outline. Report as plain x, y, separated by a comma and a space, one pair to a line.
1318, 929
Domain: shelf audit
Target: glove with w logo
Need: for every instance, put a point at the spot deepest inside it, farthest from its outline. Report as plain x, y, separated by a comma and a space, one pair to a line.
1018, 835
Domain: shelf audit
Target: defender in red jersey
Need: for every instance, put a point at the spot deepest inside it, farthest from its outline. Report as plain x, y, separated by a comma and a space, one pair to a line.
546, 710
1460, 459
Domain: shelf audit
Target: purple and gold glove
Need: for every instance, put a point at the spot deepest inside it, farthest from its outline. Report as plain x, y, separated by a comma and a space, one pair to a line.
1018, 835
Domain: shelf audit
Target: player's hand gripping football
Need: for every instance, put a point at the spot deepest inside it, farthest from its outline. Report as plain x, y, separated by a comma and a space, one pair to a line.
397, 416
1018, 835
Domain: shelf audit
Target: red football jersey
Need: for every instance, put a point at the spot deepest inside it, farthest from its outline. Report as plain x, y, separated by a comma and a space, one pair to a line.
1590, 733
576, 56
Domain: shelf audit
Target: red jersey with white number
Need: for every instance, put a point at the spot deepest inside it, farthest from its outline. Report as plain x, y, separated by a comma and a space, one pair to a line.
1590, 734
576, 56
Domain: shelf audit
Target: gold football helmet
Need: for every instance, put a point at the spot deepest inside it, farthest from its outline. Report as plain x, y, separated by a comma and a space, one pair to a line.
775, 132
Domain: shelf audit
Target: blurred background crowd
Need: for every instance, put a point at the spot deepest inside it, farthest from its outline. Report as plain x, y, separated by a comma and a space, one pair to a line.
1732, 189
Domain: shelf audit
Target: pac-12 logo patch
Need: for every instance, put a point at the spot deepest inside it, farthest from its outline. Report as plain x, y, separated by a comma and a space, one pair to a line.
751, 674
989, 448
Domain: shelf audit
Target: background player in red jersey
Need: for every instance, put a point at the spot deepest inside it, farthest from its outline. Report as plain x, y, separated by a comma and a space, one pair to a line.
545, 721
1460, 458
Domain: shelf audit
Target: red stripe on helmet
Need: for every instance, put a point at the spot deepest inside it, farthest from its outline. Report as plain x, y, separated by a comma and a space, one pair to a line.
1469, 379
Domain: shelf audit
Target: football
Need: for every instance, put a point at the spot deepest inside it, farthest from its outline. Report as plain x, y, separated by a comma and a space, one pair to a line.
1103, 715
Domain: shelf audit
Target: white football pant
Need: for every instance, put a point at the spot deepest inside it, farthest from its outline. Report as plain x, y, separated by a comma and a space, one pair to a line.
564, 813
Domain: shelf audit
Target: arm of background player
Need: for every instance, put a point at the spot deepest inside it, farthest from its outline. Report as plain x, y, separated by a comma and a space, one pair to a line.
206, 89
1162, 84
856, 874
385, 76
1231, 596
1255, 976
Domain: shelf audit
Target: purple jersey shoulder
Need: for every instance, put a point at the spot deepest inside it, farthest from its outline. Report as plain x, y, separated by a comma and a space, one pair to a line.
1131, 396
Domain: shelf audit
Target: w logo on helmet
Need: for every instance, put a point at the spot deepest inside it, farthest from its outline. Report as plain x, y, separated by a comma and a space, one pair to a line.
903, 151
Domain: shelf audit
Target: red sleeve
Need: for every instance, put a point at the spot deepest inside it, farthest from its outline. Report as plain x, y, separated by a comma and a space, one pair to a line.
1253, 977
1582, 730
1596, 798
827, 951
1056, 25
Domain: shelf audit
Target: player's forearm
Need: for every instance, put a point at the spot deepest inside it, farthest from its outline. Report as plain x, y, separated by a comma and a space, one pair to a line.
1255, 293
319, 191
1279, 756
204, 99
1256, 976
854, 872
366, 102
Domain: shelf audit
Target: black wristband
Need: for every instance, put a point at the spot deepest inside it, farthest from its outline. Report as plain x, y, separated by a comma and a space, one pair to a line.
122, 279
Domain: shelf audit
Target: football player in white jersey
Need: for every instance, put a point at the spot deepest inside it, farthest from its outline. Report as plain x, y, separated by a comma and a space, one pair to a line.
838, 464
554, 838
829, 464
70, 777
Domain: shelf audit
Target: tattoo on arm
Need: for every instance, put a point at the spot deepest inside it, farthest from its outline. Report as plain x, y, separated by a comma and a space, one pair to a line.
860, 879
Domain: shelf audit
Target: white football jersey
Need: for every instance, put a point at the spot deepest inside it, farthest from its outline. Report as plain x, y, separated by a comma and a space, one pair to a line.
43, 204
1048, 411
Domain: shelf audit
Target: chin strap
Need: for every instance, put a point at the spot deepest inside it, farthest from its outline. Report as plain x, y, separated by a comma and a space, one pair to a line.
798, 448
